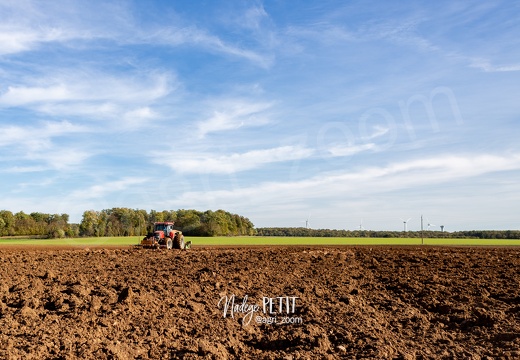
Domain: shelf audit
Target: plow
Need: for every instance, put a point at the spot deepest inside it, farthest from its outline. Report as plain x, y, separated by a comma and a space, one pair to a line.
164, 236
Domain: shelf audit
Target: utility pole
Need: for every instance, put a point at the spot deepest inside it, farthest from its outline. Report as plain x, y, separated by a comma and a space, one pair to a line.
422, 237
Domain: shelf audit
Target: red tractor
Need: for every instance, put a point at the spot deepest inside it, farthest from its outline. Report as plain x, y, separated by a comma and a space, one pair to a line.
164, 236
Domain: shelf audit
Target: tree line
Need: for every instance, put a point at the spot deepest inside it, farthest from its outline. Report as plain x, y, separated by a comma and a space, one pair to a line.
136, 222
123, 222
36, 224
306, 232
132, 222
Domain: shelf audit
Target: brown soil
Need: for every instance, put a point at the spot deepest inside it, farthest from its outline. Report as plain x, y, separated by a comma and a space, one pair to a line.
374, 303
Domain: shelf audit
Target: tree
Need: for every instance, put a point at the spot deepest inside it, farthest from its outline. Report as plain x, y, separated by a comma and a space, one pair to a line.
24, 224
88, 225
189, 221
8, 220
57, 225
139, 219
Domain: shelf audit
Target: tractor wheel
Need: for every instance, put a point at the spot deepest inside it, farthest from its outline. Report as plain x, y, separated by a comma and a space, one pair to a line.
169, 243
179, 242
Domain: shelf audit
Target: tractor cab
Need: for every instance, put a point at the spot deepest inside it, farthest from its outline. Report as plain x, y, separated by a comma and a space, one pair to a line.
162, 230
164, 227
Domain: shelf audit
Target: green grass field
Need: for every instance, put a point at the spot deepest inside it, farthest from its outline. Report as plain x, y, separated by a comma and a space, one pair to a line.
257, 240
95, 241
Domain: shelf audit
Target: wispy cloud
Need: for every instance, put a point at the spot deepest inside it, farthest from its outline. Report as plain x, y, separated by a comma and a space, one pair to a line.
103, 189
85, 87
253, 17
256, 50
24, 169
35, 146
22, 95
193, 36
350, 150
370, 180
377, 131
25, 28
126, 100
28, 25
486, 65
14, 41
402, 31
36, 138
410, 29
135, 119
60, 158
205, 163
234, 114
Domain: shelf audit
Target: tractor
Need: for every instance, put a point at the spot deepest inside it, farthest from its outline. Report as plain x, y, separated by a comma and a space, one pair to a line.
164, 236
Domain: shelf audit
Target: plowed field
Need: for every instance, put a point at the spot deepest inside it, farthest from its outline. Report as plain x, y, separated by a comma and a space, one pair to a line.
374, 303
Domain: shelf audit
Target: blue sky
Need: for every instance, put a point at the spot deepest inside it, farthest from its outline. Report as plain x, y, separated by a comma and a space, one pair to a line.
339, 112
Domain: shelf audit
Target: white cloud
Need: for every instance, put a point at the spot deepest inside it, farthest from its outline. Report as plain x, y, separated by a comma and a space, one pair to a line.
63, 24
402, 32
36, 138
191, 35
90, 110
486, 66
233, 114
24, 169
139, 117
125, 100
16, 96
63, 159
377, 131
366, 181
350, 150
60, 158
35, 146
24, 27
253, 17
86, 87
28, 25
103, 189
225, 164
16, 41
